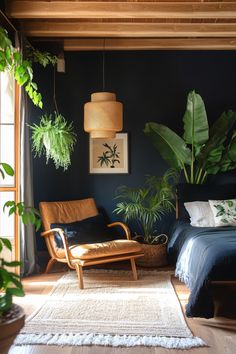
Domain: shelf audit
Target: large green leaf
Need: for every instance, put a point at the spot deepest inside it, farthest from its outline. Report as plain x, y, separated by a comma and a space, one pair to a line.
232, 148
196, 130
5, 168
171, 147
226, 164
218, 134
228, 161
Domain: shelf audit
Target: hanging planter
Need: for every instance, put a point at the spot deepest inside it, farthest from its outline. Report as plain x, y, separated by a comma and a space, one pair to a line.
54, 137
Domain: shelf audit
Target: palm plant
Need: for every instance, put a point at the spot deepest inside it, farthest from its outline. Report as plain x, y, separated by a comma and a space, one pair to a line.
147, 205
55, 138
201, 151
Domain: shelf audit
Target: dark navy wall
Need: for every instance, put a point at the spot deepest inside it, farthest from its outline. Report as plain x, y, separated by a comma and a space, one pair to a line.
152, 86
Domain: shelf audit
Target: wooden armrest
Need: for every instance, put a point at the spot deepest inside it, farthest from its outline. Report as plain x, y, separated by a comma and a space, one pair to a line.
63, 236
48, 232
124, 227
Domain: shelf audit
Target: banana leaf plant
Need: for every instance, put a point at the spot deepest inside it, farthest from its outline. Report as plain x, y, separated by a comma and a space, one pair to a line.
201, 151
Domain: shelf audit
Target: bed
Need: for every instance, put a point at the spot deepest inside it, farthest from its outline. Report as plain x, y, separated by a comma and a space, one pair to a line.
203, 255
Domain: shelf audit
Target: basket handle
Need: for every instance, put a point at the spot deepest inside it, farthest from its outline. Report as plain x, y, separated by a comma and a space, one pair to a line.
161, 235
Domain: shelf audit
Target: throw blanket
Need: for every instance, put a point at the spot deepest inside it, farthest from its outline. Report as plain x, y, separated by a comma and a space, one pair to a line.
202, 254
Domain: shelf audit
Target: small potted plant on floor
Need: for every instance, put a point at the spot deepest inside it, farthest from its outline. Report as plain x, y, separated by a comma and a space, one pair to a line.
146, 206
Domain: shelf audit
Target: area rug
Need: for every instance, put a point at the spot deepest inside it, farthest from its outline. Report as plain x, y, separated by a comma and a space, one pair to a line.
112, 310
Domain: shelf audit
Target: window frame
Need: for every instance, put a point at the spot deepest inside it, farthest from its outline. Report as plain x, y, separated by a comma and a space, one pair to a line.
16, 187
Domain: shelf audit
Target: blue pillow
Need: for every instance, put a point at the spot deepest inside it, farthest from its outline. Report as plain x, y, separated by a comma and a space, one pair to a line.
90, 230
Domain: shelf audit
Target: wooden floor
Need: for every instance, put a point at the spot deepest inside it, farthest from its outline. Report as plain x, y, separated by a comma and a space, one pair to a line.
219, 333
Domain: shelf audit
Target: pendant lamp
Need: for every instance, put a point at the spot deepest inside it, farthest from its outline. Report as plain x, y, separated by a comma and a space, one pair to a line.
103, 115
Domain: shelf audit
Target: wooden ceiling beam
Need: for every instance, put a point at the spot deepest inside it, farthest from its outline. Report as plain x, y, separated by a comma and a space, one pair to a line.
150, 44
120, 9
118, 29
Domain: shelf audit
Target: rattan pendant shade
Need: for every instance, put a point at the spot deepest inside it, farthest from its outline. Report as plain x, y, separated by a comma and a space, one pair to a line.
103, 116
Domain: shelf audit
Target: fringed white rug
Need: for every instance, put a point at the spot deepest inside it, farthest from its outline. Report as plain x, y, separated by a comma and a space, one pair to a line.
112, 310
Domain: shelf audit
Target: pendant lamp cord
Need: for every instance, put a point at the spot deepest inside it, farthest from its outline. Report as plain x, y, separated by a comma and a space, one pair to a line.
103, 66
54, 89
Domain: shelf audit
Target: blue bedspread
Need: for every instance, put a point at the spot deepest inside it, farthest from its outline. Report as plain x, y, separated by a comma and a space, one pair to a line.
202, 254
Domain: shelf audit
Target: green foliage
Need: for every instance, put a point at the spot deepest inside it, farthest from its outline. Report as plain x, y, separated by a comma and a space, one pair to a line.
172, 147
54, 137
201, 151
6, 169
10, 284
29, 215
43, 58
147, 205
226, 211
12, 60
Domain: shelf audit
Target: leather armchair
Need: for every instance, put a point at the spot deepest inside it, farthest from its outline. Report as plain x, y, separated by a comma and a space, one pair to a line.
78, 256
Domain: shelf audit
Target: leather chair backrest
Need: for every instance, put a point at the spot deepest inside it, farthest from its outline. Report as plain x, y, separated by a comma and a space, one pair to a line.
66, 211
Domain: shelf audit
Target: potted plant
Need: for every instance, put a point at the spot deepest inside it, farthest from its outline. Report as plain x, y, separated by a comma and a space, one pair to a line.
146, 206
55, 138
201, 151
11, 315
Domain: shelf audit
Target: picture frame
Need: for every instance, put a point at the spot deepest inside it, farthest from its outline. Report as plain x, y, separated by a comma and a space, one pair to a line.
109, 156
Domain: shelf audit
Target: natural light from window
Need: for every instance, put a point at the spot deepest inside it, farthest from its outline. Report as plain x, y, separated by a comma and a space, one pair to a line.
7, 155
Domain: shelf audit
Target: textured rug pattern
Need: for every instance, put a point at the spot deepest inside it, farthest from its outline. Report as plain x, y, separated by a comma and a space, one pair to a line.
115, 309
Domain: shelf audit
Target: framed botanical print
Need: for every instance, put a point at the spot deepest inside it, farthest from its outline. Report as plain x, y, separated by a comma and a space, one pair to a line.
109, 155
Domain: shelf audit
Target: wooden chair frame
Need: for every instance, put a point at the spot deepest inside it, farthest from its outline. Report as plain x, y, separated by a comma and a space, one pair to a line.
78, 264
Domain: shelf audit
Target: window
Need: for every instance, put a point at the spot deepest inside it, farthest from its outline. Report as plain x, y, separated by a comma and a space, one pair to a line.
9, 153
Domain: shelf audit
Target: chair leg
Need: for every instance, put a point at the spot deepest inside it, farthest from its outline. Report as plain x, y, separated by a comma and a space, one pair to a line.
51, 262
134, 270
79, 271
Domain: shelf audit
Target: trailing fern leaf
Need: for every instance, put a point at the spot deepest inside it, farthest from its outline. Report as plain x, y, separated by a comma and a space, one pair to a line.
54, 137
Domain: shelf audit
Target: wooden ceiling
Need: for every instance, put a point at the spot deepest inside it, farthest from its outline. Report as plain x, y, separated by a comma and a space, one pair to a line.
130, 24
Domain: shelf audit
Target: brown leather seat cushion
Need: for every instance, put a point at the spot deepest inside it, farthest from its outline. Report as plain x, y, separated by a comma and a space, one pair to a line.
104, 249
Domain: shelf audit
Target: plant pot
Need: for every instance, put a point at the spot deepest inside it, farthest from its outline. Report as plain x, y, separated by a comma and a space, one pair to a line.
154, 256
10, 325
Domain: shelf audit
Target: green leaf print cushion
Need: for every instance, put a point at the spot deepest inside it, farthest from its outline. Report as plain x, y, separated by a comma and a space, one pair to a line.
224, 212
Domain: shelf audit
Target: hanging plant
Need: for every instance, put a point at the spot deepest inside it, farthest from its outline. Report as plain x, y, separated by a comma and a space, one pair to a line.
12, 60
54, 137
42, 58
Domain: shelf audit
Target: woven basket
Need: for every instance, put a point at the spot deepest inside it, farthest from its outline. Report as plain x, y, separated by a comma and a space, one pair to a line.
154, 255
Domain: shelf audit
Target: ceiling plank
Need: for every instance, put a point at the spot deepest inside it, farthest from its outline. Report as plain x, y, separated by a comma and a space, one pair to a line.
150, 44
121, 9
132, 29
